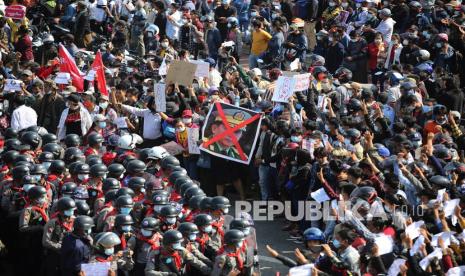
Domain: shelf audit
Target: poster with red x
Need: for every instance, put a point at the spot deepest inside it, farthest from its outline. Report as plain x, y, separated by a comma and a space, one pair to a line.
230, 132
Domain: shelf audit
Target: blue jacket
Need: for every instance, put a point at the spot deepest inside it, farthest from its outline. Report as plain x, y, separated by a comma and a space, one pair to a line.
74, 252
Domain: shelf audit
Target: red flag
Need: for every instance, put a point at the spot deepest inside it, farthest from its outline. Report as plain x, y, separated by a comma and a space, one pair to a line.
68, 65
99, 70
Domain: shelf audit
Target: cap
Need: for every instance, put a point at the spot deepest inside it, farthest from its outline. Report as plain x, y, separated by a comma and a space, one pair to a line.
257, 72
187, 113
234, 117
89, 91
74, 98
384, 152
212, 90
26, 73
385, 12
443, 37
211, 61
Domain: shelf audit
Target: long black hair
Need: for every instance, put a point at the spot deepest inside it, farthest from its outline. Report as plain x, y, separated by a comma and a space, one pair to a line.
150, 102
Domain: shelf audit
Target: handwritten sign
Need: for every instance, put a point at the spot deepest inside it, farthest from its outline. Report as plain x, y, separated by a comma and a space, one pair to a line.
12, 85
192, 139
203, 68
15, 12
302, 82
96, 269
181, 72
163, 68
303, 270
160, 97
63, 78
284, 89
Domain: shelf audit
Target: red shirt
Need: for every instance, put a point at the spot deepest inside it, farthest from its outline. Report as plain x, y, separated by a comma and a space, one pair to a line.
24, 46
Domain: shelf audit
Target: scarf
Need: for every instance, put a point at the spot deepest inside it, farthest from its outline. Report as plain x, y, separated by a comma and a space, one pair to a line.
151, 241
202, 240
42, 212
237, 254
176, 256
104, 260
67, 226
123, 241
219, 226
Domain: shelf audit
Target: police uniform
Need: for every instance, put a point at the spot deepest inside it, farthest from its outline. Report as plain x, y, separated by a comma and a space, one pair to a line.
94, 189
102, 214
162, 262
217, 235
123, 263
54, 231
192, 247
144, 245
228, 261
206, 246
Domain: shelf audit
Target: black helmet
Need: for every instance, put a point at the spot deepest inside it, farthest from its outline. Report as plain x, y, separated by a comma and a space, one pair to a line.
57, 167
440, 181
150, 223
169, 162
206, 204
110, 196
23, 158
442, 152
427, 171
136, 182
240, 224
144, 154
12, 144
93, 160
72, 140
121, 220
169, 211
110, 184
19, 171
353, 133
10, 133
72, 168
94, 139
65, 203
83, 223
36, 192
343, 75
45, 157
161, 193
54, 148
193, 191
127, 158
188, 228
32, 139
220, 202
38, 169
174, 175
73, 155
124, 201
32, 128
187, 186
115, 170
49, 138
82, 168
125, 191
29, 179
194, 202
181, 181
439, 109
202, 220
10, 156
158, 199
68, 188
82, 208
354, 105
233, 236
98, 170
136, 166
172, 236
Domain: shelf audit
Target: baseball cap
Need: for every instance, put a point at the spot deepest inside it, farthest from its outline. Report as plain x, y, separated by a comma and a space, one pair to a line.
26, 72
187, 113
257, 72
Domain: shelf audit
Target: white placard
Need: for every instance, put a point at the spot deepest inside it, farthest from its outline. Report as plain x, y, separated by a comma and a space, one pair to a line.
284, 89
303, 270
203, 68
302, 82
320, 195
308, 144
193, 135
63, 78
385, 244
96, 269
449, 206
294, 65
445, 236
425, 262
12, 85
160, 97
413, 230
394, 270
416, 246
163, 69
456, 271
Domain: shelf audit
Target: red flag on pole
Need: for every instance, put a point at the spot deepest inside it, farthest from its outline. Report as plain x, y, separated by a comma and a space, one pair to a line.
99, 70
68, 65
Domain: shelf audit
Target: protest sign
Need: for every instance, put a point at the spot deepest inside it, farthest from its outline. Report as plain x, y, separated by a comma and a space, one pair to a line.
96, 269
17, 12
202, 69
294, 65
12, 85
231, 132
181, 72
284, 89
63, 78
342, 17
302, 82
163, 68
192, 139
160, 97
303, 270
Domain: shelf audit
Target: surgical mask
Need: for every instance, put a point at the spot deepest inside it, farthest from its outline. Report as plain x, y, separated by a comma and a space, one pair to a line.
246, 231
441, 121
146, 233
295, 139
225, 2
439, 45
336, 243
126, 228
109, 251
102, 124
208, 229
83, 177
187, 121
37, 177
164, 44
253, 14
239, 244
103, 105
180, 129
177, 246
46, 165
426, 34
405, 42
332, 4
42, 200
225, 210
88, 231
157, 208
192, 237
345, 4
26, 187
274, 15
142, 190
170, 221
68, 213
126, 210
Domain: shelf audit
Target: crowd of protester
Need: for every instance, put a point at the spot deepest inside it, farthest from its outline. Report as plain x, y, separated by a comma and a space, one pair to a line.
85, 178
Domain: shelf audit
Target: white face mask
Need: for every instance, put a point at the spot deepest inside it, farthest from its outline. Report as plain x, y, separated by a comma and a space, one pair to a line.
358, 5
187, 120
83, 177
177, 246
157, 208
208, 229
170, 221
180, 129
126, 228
109, 251
164, 44
26, 187
192, 237
69, 213
103, 105
405, 42
146, 233
225, 210
332, 4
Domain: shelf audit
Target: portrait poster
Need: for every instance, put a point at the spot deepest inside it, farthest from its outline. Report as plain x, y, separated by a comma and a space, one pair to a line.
230, 132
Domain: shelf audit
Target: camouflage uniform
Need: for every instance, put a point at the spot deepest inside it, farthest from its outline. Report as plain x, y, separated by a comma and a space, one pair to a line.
228, 261
161, 263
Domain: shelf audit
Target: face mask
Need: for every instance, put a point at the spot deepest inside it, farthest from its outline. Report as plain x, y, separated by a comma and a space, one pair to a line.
345, 5
146, 233
426, 34
88, 231
102, 124
274, 15
27, 187
295, 139
405, 42
83, 177
441, 121
439, 45
109, 251
126, 210
207, 229
229, 25
336, 243
253, 14
332, 4
225, 210
187, 121
395, 42
164, 44
192, 237
181, 129
126, 228
239, 244
37, 177
170, 221
42, 200
103, 105
177, 246
68, 213
358, 5
157, 208
246, 231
